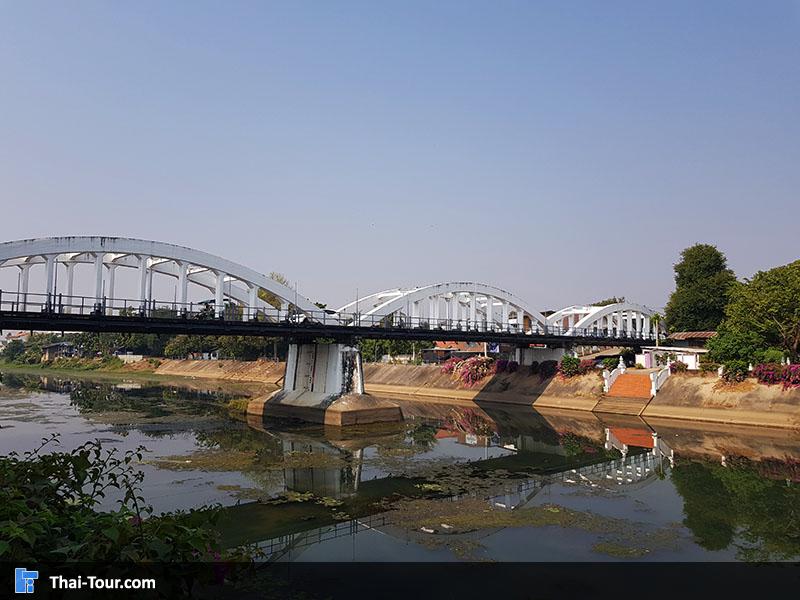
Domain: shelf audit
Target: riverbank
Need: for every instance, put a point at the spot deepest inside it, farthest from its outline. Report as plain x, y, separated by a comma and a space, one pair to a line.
690, 398
683, 397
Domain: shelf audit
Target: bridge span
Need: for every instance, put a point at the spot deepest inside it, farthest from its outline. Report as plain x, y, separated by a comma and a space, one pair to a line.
246, 302
322, 362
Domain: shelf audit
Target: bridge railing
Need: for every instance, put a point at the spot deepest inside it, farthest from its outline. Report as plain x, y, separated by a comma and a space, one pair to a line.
89, 306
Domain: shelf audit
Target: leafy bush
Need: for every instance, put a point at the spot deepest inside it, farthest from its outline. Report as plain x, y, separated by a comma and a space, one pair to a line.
610, 363
547, 369
512, 366
500, 365
638, 366
49, 512
770, 355
708, 366
570, 366
678, 367
533, 368
735, 371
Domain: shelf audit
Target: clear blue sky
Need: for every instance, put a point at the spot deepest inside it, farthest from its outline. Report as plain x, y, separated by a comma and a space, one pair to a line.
566, 151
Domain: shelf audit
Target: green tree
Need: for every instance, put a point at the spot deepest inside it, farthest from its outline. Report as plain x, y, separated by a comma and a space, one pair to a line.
269, 297
703, 285
763, 313
14, 350
373, 350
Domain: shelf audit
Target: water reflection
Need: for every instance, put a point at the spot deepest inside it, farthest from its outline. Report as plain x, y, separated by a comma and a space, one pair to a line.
509, 473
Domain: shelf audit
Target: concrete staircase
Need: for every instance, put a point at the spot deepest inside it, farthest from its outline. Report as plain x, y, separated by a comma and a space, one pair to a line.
629, 395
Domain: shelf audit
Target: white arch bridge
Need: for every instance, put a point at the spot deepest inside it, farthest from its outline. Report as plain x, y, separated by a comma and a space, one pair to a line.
242, 301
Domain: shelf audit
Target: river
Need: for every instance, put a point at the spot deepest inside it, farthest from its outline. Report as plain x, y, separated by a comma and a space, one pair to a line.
481, 482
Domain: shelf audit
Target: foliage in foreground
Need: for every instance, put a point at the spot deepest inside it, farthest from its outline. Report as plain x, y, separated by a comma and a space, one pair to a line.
49, 511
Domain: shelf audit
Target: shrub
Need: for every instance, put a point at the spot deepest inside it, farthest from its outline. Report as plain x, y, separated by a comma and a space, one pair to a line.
449, 365
735, 371
472, 370
791, 377
49, 511
500, 365
533, 369
586, 366
708, 366
678, 367
547, 369
773, 373
638, 366
570, 366
512, 366
610, 363
770, 355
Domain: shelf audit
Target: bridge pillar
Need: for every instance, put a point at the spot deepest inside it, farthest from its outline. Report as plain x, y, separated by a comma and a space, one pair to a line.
526, 356
98, 277
112, 271
219, 289
322, 372
143, 282
70, 284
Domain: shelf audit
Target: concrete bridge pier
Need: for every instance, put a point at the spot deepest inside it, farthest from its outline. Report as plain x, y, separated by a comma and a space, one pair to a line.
526, 356
324, 383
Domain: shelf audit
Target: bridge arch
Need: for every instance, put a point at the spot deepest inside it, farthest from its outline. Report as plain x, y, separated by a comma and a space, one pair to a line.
225, 278
459, 303
619, 317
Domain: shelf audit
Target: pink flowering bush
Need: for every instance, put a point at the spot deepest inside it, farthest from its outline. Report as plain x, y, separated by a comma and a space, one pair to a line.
774, 373
449, 365
474, 369
768, 373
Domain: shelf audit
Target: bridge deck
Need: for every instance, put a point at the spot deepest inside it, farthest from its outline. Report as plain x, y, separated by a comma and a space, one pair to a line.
56, 321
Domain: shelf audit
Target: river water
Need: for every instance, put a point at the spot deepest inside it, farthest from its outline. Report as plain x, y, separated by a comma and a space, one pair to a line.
480, 482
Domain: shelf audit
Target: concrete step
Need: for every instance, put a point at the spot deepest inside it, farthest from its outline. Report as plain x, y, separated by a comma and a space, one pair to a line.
621, 406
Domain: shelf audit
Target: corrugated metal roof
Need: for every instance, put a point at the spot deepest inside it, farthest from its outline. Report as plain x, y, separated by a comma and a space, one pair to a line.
691, 335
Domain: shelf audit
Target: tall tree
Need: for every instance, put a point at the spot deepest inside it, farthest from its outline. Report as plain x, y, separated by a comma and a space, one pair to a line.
703, 285
764, 312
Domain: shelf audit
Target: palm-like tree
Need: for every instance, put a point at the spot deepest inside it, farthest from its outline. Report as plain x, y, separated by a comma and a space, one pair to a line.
656, 319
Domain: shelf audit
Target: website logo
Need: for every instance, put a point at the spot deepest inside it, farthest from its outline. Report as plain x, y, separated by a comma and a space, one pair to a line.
23, 580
